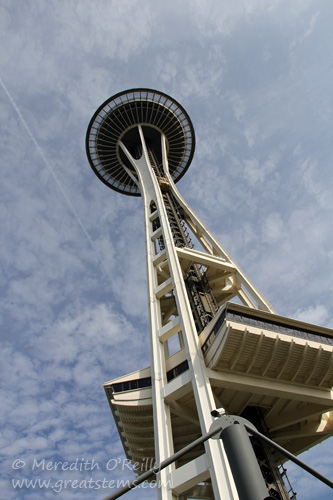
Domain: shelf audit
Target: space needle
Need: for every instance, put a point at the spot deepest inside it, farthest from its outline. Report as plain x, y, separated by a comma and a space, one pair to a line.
215, 341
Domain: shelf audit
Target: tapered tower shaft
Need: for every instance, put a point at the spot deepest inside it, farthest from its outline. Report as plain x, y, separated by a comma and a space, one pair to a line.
171, 312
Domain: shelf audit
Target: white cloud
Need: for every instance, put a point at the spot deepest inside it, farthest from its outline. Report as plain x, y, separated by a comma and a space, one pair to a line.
256, 172
272, 229
318, 314
251, 133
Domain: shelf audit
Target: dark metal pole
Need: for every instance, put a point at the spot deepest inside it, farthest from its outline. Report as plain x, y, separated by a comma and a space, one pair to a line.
162, 465
243, 463
247, 475
289, 455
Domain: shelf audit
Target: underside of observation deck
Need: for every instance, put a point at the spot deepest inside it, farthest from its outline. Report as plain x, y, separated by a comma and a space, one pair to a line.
117, 120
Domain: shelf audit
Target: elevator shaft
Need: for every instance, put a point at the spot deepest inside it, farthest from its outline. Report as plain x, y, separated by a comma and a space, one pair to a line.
201, 299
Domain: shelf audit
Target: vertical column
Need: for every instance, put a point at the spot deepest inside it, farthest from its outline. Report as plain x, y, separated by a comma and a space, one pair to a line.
221, 477
220, 473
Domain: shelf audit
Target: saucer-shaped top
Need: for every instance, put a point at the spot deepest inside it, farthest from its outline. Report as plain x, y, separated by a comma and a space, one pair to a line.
117, 119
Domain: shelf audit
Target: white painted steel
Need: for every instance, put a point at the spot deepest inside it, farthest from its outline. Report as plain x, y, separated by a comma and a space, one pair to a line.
219, 471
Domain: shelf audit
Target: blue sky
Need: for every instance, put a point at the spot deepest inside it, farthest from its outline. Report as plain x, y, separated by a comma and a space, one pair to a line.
255, 77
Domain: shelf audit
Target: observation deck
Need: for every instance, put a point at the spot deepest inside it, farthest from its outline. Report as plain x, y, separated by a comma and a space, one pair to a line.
117, 120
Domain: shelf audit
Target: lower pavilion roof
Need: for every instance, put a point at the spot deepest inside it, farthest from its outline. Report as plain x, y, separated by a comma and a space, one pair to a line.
279, 365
